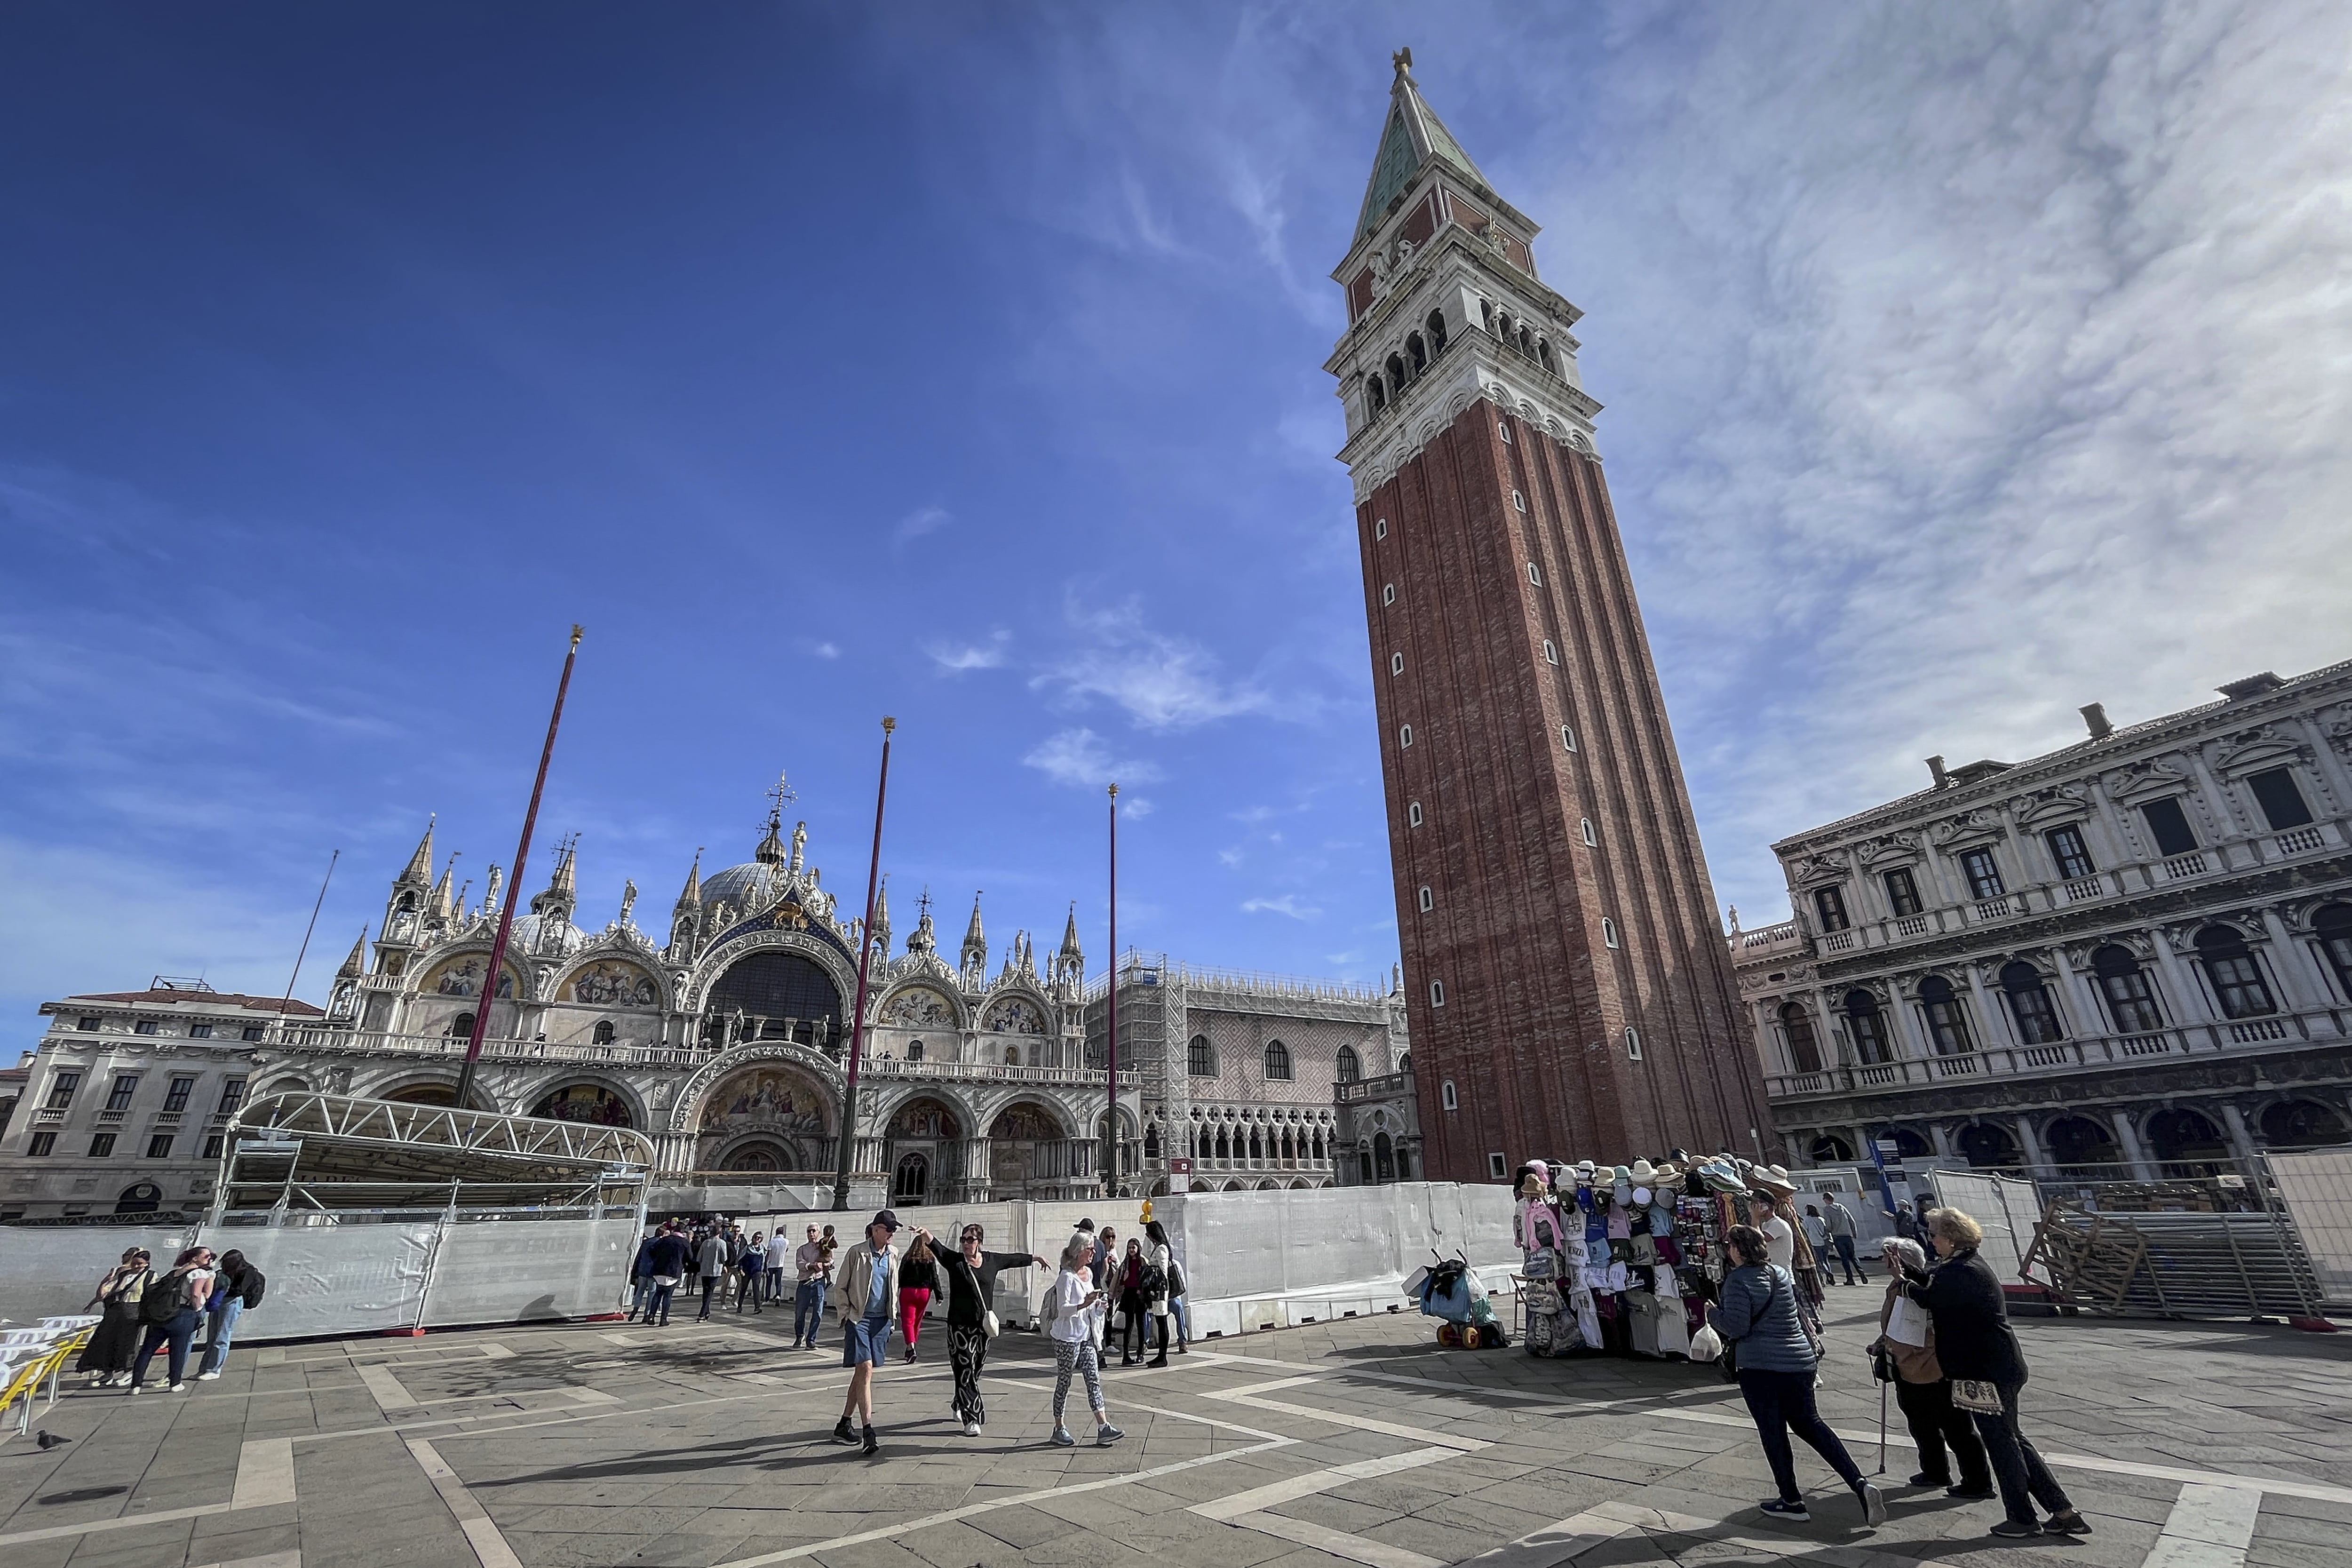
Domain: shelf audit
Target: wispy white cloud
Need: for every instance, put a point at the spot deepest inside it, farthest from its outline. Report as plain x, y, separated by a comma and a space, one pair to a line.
957, 658
1288, 904
1229, 857
921, 521
1963, 369
1136, 805
1163, 682
1081, 757
826, 650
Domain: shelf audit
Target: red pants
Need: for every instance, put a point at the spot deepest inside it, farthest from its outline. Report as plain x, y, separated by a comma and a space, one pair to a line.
912, 1305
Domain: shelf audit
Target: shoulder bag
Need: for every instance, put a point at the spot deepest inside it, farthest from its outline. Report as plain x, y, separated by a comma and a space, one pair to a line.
1976, 1395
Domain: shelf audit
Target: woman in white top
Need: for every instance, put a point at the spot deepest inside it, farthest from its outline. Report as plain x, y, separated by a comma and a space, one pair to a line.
1074, 1306
1780, 1237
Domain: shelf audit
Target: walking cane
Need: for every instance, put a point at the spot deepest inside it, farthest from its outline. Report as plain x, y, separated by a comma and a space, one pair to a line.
1881, 1430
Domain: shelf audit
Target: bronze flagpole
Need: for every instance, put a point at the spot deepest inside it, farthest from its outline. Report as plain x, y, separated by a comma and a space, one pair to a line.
848, 1139
514, 886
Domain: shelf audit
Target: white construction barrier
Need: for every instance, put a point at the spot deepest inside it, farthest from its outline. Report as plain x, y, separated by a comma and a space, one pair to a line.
2317, 1189
331, 1280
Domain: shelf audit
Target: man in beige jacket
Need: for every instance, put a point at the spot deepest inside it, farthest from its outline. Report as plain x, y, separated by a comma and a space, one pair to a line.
867, 1280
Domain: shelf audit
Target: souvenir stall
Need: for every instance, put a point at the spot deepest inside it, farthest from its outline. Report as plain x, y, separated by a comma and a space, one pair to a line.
1626, 1260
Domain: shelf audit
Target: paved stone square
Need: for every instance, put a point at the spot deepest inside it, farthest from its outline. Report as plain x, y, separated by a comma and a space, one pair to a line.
1357, 1442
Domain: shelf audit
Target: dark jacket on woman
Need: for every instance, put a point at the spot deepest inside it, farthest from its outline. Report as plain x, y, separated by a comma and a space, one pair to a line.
1964, 1299
1759, 1309
919, 1273
968, 1288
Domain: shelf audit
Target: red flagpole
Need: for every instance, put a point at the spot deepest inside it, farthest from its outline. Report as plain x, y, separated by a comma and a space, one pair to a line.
514, 886
857, 1010
1110, 1024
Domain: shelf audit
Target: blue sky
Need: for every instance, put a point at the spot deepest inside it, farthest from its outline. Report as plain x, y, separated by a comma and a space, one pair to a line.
962, 363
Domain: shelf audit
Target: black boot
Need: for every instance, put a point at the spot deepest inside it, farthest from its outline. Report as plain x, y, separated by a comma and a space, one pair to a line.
845, 1432
872, 1447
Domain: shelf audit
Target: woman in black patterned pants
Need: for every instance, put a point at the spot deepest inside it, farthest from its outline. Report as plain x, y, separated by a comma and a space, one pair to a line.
970, 1273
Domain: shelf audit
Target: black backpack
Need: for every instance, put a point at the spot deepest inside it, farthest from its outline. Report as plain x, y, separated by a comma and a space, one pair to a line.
163, 1298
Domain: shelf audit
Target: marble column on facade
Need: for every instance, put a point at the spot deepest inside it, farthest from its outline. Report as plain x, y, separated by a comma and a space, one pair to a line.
2187, 1006
1989, 1021
2291, 962
2029, 1141
2090, 1020
1910, 1041
1796, 1155
2241, 1136
2135, 1152
1941, 1140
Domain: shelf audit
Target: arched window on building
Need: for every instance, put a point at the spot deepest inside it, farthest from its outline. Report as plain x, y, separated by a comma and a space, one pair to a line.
461, 1027
2332, 924
914, 1051
1404, 1062
1987, 1146
1828, 1149
2131, 1001
1224, 1148
1278, 1060
1201, 1057
2237, 978
1384, 1157
2029, 1004
602, 1033
2182, 1137
1376, 394
1364, 1166
1804, 1046
1396, 372
1256, 1144
1947, 1024
2303, 1124
1351, 1068
1417, 352
1866, 1026
2079, 1141
1151, 1141
1436, 325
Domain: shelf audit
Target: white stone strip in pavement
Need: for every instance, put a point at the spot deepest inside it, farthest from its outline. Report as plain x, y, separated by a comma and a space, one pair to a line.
1227, 1508
1348, 1418
389, 1395
275, 1559
265, 1475
490, 1548
1570, 1538
2209, 1527
1338, 1543
969, 1510
2285, 1486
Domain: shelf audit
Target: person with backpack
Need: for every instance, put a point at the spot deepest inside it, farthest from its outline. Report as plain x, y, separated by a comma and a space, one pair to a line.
666, 1260
108, 1355
1776, 1359
1134, 1271
711, 1258
748, 1264
237, 1292
1172, 1277
169, 1310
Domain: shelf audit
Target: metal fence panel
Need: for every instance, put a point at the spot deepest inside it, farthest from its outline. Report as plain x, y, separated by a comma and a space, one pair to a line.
2007, 1208
520, 1271
50, 1270
2316, 1188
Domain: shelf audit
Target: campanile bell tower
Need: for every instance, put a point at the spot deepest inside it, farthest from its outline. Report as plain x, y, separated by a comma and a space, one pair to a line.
1570, 993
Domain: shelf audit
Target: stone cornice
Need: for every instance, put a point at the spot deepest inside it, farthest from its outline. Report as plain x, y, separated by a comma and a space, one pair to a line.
2212, 897
2086, 757
2311, 1063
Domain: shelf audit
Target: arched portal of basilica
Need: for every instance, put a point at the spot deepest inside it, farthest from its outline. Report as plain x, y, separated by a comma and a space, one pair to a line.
768, 1116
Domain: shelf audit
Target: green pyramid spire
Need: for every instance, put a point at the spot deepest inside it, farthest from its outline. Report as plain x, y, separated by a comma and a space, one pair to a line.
1412, 138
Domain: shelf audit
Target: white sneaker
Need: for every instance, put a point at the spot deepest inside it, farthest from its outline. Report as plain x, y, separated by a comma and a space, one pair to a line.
206, 1377
138, 1388
177, 1388
971, 1428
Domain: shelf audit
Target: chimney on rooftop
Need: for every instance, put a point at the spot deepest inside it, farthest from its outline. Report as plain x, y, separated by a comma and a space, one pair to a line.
2094, 717
1936, 768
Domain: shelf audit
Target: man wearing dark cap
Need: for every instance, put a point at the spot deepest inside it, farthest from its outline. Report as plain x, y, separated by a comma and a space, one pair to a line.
867, 1286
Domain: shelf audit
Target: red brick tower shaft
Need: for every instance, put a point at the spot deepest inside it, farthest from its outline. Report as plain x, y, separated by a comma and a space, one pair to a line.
1570, 993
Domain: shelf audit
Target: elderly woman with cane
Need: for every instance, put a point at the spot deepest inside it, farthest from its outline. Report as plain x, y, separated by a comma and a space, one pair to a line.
1979, 1351
1907, 1346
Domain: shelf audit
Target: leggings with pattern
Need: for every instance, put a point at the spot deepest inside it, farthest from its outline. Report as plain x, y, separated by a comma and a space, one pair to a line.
1079, 1358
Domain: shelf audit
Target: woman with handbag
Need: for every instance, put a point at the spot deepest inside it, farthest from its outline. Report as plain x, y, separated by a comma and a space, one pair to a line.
1134, 1305
1775, 1359
1905, 1349
1169, 1309
108, 1355
1979, 1351
971, 1272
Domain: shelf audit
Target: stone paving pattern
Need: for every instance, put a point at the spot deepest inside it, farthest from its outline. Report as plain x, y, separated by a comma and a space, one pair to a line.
606, 1445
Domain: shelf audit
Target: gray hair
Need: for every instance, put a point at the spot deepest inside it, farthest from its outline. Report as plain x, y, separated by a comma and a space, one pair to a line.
1908, 1250
1078, 1252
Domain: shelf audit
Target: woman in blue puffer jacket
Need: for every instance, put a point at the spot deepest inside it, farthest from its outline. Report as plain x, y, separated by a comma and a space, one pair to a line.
1776, 1360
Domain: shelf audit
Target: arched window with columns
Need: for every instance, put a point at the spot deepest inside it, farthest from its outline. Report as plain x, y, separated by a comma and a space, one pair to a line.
1804, 1046
2030, 1005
